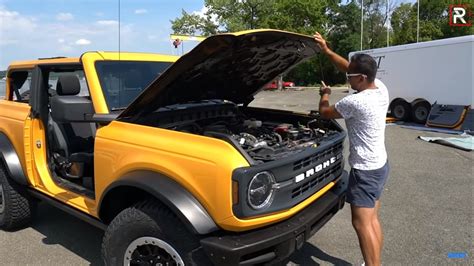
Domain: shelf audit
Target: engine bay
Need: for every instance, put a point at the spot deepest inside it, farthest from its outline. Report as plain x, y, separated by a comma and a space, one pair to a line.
263, 137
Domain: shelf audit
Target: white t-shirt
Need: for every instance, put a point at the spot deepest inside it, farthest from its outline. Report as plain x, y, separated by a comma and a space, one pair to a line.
365, 113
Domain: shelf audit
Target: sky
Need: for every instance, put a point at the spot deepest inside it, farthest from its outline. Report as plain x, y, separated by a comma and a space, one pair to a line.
31, 29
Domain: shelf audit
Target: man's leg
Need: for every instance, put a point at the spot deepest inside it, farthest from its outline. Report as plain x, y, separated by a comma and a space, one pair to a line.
377, 226
363, 222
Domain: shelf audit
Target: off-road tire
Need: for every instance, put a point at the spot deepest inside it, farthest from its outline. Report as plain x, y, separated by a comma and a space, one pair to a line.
16, 207
150, 219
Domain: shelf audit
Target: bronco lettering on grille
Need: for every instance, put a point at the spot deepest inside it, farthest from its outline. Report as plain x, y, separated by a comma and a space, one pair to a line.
317, 168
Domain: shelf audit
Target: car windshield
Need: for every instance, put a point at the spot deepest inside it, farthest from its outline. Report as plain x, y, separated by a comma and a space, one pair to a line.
123, 81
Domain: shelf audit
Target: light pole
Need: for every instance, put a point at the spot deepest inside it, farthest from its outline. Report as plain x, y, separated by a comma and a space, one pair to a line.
388, 23
418, 21
361, 22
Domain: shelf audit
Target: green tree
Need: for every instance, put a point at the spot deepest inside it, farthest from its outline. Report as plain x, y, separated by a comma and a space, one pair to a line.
302, 16
234, 15
343, 37
375, 28
434, 22
337, 20
404, 24
191, 24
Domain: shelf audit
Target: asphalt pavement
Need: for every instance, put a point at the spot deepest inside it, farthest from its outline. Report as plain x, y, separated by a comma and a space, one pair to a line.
426, 214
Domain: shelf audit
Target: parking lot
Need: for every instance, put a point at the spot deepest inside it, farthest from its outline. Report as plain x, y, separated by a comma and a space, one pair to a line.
427, 209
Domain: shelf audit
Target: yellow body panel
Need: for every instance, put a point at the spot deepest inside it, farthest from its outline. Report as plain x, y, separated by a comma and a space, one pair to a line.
206, 172
33, 63
187, 37
24, 134
45, 183
12, 124
201, 164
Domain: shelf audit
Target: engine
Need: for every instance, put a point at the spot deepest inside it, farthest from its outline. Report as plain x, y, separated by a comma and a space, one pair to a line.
262, 136
267, 141
263, 141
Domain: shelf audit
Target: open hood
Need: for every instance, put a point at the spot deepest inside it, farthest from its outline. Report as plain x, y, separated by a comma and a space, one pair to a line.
232, 67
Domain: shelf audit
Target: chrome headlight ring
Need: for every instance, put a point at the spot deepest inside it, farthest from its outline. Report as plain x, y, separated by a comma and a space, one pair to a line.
261, 190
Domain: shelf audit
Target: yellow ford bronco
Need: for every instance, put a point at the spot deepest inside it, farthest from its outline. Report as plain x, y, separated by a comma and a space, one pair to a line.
166, 155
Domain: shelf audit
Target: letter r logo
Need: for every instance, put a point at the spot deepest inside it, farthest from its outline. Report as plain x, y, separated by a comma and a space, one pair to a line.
460, 15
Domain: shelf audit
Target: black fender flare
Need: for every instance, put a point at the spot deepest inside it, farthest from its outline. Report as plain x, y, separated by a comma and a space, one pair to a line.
11, 160
170, 193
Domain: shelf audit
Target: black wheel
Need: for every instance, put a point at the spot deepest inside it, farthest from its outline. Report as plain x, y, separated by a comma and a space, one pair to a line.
420, 109
15, 206
401, 110
150, 234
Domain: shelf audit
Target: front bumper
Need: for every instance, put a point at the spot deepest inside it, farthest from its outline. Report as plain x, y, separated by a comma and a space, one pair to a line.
276, 242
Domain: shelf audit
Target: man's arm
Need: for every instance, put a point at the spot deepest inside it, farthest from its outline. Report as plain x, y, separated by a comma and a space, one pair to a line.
340, 62
325, 110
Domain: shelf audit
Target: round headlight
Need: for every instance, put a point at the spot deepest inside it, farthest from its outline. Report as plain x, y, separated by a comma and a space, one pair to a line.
260, 192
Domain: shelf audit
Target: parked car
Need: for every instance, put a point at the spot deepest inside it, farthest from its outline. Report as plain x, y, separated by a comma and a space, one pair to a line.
274, 85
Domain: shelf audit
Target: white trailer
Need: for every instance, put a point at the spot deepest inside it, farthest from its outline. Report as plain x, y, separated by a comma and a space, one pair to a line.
418, 75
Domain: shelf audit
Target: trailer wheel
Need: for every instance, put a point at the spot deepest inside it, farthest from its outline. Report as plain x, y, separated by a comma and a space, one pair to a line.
420, 109
401, 110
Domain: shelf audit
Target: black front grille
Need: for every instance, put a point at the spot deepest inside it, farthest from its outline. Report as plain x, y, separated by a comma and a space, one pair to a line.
336, 149
320, 166
321, 180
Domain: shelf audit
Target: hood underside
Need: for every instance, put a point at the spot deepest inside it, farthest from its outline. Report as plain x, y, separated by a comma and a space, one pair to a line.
232, 67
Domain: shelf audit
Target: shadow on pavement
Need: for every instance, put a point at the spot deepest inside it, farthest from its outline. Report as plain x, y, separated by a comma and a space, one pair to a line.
60, 228
84, 240
304, 257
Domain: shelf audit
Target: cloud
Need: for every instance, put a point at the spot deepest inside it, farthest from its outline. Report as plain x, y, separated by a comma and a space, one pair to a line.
83, 42
23, 37
14, 26
5, 13
107, 22
64, 16
141, 11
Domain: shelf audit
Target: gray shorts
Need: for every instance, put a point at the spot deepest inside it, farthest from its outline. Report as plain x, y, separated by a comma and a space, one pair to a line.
366, 186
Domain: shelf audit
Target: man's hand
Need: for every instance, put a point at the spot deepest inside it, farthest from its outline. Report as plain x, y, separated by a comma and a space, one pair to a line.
325, 110
321, 42
341, 63
324, 89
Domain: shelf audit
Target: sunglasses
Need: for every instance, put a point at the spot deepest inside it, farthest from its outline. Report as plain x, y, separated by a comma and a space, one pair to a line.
355, 75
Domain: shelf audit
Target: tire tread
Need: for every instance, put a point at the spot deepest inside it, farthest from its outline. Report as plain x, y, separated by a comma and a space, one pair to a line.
18, 205
145, 212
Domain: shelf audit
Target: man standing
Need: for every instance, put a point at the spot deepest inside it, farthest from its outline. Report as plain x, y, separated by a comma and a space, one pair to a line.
364, 113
